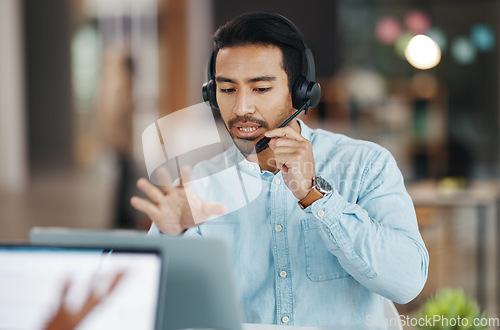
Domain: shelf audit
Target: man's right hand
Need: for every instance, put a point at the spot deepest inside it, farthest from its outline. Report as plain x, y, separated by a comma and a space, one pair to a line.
174, 208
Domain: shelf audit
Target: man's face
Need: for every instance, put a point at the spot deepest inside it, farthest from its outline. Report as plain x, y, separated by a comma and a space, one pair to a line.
252, 92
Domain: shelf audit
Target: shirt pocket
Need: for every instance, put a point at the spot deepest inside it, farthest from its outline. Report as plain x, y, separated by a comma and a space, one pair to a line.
321, 264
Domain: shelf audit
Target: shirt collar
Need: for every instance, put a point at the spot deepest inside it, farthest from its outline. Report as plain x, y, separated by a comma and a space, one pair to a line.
305, 130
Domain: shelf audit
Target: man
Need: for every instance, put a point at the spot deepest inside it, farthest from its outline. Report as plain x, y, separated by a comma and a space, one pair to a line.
317, 252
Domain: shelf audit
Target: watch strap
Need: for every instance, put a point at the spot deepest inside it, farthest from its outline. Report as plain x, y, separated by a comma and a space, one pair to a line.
310, 198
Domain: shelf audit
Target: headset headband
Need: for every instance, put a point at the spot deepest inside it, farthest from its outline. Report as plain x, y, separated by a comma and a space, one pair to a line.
305, 91
311, 71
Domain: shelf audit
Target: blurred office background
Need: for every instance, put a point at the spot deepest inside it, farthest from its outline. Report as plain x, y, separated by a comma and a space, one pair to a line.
80, 80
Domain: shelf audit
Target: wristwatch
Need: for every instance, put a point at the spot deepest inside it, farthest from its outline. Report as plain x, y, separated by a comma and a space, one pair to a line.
320, 188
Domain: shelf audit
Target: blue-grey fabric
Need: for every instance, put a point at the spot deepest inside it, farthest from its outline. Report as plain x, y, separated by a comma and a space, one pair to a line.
330, 264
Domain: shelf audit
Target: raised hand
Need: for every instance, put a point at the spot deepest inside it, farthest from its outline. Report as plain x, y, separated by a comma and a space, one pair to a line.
294, 157
174, 208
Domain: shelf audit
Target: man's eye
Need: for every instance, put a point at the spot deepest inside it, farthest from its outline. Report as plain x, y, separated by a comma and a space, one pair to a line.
227, 90
263, 89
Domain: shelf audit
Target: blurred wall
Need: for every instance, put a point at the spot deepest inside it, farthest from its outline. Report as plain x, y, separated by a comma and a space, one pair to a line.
199, 32
185, 37
12, 131
317, 20
47, 28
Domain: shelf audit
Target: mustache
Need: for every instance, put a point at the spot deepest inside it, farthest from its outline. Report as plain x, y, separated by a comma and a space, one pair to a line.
247, 119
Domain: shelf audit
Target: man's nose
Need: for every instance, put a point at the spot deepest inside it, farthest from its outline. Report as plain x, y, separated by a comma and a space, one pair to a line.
244, 104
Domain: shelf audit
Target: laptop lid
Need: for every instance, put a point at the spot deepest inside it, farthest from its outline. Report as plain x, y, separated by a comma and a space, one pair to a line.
32, 279
200, 285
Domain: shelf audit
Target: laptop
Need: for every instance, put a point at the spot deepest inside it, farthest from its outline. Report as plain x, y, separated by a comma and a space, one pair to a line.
200, 284
32, 280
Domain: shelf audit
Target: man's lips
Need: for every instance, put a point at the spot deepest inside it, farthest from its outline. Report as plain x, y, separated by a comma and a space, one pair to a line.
247, 130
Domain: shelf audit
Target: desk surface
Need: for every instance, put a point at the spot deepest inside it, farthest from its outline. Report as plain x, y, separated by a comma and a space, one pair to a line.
252, 326
426, 193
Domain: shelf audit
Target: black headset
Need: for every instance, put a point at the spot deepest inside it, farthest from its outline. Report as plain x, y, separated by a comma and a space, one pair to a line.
305, 91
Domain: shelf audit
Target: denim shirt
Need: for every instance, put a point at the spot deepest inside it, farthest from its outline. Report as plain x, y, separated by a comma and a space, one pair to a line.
330, 264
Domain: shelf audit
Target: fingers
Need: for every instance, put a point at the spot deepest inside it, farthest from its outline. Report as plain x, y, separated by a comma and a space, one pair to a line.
116, 279
215, 208
287, 137
64, 294
143, 205
293, 151
164, 180
65, 319
284, 142
287, 132
179, 207
153, 193
204, 210
93, 300
185, 177
65, 290
286, 153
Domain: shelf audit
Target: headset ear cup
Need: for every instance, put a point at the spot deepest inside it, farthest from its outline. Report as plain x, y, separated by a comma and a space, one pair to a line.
299, 91
305, 91
313, 94
204, 92
209, 92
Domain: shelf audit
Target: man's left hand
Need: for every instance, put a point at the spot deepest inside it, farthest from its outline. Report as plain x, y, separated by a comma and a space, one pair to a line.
294, 157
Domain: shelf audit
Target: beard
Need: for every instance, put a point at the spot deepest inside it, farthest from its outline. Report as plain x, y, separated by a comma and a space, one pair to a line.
247, 145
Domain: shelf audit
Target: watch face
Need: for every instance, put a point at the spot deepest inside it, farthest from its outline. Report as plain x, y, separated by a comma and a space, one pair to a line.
322, 185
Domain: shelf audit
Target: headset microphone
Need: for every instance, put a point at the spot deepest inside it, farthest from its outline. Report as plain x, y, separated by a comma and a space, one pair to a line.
263, 143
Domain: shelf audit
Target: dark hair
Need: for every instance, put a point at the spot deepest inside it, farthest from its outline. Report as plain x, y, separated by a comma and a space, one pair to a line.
261, 28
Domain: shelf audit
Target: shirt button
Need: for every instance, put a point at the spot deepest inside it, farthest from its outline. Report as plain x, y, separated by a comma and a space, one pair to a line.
277, 181
252, 167
321, 213
283, 275
278, 228
285, 319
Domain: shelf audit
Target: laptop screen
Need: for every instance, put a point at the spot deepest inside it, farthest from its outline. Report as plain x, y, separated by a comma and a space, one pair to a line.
32, 280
